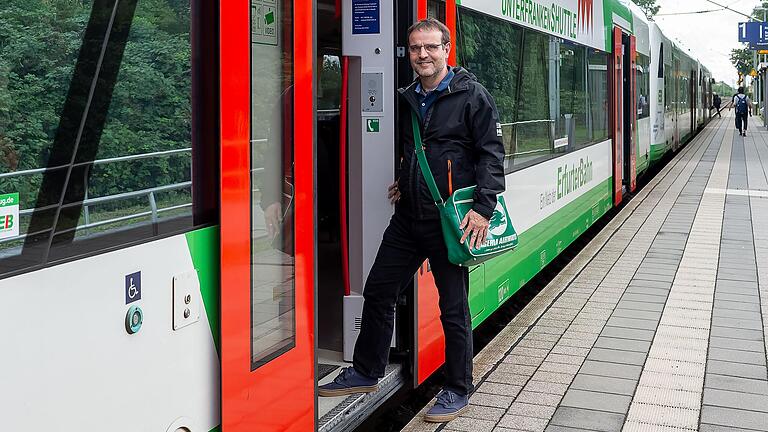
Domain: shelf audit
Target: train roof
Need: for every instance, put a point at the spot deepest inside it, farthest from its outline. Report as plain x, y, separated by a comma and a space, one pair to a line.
640, 27
676, 44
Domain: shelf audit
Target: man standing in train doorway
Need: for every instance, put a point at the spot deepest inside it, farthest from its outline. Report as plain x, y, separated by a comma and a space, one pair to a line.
742, 105
462, 140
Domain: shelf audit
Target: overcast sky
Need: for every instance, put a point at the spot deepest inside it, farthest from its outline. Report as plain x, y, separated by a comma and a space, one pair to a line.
709, 36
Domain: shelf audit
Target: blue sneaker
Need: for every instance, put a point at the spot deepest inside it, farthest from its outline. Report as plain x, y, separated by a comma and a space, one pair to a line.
448, 406
348, 382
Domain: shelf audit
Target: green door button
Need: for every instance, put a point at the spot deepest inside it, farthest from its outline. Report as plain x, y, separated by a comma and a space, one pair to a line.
133, 319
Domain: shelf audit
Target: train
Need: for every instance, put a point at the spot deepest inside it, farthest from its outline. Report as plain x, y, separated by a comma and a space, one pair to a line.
192, 192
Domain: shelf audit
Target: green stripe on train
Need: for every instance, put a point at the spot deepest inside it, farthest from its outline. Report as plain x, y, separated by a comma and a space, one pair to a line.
657, 151
204, 247
538, 246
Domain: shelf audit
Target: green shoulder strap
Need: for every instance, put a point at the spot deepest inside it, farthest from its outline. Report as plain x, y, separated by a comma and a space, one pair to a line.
423, 164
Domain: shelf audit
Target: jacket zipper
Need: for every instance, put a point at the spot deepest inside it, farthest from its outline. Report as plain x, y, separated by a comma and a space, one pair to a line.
414, 186
450, 179
415, 201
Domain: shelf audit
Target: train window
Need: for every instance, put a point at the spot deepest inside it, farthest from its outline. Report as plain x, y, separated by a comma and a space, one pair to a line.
533, 130
598, 95
492, 50
273, 328
436, 9
572, 112
552, 95
38, 55
96, 131
643, 86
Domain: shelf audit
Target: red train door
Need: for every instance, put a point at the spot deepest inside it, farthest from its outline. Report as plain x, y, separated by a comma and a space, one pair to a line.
267, 216
633, 110
617, 113
430, 340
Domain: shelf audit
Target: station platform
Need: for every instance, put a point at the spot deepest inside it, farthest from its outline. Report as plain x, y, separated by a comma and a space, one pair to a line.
657, 325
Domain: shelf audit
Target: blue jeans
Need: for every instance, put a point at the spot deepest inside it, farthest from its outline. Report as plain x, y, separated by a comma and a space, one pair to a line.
404, 246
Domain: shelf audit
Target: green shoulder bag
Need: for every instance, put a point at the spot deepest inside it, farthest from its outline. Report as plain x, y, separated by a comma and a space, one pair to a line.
501, 234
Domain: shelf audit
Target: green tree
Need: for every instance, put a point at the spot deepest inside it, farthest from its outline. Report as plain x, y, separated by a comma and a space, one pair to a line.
759, 13
648, 6
150, 109
741, 58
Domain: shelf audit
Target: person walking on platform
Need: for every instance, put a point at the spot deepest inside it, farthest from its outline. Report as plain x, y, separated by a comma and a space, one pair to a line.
716, 103
743, 106
462, 141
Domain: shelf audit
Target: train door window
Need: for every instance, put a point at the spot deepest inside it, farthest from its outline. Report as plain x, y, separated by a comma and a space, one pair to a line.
272, 228
96, 133
436, 9
669, 88
682, 92
642, 86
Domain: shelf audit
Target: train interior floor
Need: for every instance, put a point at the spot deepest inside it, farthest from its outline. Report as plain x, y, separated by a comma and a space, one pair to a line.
657, 325
339, 413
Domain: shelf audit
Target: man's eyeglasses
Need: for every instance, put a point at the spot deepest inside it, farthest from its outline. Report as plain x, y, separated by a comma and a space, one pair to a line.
431, 48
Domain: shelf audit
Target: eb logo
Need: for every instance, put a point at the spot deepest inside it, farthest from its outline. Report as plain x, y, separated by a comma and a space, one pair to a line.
6, 222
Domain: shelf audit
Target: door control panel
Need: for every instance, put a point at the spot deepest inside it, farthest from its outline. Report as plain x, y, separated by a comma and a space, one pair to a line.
372, 92
186, 299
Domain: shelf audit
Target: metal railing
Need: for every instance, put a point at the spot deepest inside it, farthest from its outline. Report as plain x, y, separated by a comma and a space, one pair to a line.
154, 212
96, 162
515, 125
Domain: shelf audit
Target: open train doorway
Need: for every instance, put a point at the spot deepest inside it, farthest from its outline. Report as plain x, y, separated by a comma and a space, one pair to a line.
330, 278
624, 114
355, 114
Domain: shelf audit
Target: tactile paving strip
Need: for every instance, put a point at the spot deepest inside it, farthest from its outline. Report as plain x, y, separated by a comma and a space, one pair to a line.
694, 287
663, 415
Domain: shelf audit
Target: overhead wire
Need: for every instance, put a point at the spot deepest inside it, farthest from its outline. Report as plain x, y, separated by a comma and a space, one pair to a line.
688, 13
728, 8
722, 8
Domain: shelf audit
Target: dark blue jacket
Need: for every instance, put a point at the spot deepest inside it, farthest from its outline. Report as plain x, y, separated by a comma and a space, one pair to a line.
462, 126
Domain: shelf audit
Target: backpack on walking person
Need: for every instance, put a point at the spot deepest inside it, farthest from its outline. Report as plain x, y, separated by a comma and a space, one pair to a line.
741, 104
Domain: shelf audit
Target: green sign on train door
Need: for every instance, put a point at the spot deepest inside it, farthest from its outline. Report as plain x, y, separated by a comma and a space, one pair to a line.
264, 21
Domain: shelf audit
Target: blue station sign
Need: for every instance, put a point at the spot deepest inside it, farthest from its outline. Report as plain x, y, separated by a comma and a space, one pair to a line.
753, 33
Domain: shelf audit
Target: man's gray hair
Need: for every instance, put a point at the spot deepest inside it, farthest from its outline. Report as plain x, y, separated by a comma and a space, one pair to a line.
431, 24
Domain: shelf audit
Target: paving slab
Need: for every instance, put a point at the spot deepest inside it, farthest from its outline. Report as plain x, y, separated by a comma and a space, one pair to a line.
587, 419
735, 418
596, 401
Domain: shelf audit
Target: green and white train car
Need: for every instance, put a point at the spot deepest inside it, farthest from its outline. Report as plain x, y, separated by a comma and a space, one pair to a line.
682, 89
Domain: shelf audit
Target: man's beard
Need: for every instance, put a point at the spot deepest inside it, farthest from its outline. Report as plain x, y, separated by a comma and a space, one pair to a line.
436, 73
